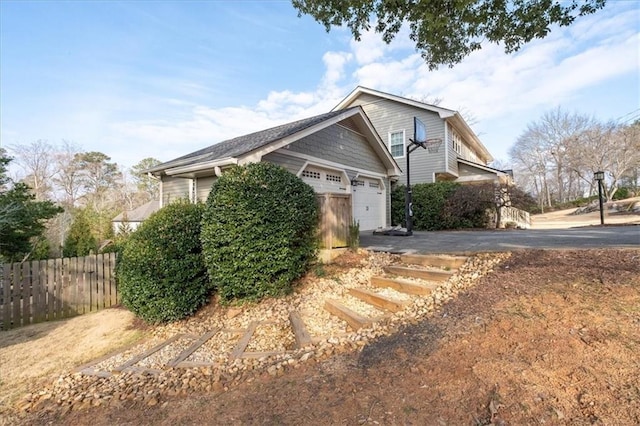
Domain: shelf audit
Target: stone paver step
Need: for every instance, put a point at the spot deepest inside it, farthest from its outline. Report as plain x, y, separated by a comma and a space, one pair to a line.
354, 319
437, 260
404, 286
378, 300
435, 275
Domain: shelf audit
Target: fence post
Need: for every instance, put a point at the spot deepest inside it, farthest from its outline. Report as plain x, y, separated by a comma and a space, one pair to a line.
7, 296
100, 287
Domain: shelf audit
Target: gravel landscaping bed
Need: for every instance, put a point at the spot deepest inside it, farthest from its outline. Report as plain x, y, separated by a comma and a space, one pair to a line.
331, 336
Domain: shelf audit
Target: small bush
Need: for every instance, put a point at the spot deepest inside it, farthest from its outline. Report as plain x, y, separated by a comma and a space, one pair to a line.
160, 270
354, 235
258, 231
622, 193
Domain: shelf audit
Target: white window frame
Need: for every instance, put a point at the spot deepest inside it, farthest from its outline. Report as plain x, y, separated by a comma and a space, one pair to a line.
456, 141
404, 143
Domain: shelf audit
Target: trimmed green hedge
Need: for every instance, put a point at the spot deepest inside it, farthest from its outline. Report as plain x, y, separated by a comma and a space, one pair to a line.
258, 231
160, 272
429, 200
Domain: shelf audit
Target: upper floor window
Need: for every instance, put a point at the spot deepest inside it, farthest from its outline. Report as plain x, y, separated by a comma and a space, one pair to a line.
396, 143
456, 142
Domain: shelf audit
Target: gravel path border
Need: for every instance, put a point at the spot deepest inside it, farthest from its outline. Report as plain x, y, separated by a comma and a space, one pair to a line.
72, 391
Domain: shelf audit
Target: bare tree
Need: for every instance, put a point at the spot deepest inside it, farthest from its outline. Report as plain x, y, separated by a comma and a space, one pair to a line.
36, 159
545, 150
532, 161
606, 147
623, 157
68, 173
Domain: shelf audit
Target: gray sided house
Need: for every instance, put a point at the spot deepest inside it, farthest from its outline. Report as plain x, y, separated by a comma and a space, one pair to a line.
460, 156
455, 153
338, 152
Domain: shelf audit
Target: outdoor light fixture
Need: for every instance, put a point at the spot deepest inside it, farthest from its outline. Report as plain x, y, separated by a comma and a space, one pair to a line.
599, 176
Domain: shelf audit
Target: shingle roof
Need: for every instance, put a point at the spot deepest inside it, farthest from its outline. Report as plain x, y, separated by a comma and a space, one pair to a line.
244, 144
139, 214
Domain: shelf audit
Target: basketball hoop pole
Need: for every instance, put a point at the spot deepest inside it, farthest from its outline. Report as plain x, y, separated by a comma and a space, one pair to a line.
408, 201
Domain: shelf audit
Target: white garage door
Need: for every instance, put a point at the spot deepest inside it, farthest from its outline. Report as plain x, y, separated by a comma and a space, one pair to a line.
322, 180
369, 207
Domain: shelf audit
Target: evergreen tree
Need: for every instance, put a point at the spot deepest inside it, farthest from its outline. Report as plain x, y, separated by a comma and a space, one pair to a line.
22, 218
79, 241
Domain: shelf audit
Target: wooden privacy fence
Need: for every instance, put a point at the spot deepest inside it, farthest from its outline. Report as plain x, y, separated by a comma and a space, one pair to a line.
46, 290
335, 218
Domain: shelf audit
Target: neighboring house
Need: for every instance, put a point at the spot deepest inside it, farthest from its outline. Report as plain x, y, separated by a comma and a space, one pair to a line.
336, 152
133, 218
460, 156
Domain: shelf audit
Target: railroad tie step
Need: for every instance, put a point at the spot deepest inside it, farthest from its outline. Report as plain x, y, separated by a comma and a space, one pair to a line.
354, 319
439, 261
436, 275
192, 348
404, 286
242, 344
302, 336
378, 300
136, 359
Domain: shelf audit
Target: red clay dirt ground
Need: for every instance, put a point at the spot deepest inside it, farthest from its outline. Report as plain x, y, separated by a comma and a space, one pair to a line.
550, 337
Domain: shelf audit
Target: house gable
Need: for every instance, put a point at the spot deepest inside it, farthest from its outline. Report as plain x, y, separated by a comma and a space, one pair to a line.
340, 145
393, 118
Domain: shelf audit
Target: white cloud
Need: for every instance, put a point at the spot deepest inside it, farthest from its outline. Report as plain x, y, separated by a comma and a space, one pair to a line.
489, 84
369, 48
334, 63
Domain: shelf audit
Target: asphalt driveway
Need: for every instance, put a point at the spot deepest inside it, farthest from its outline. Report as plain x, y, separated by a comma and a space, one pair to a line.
505, 240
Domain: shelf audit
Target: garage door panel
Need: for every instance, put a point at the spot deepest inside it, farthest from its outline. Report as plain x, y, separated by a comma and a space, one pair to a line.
369, 204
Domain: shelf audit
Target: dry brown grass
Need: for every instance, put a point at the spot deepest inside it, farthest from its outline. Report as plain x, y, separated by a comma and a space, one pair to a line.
33, 354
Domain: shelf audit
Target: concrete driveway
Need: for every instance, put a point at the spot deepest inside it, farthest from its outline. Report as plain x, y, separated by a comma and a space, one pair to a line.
505, 240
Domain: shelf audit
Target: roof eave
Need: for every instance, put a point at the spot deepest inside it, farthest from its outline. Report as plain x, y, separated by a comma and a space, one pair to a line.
379, 147
197, 167
483, 167
442, 112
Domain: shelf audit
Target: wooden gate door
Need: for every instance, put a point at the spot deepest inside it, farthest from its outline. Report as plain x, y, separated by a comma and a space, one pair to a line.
335, 218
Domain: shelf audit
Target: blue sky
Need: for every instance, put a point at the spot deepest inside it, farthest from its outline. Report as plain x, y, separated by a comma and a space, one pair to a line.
162, 79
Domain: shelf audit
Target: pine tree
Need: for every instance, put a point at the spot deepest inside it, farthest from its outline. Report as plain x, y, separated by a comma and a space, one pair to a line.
79, 241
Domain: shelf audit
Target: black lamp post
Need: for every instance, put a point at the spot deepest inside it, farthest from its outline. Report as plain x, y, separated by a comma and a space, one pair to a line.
599, 176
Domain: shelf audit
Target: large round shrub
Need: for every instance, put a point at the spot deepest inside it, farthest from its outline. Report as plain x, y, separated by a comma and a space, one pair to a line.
161, 273
258, 231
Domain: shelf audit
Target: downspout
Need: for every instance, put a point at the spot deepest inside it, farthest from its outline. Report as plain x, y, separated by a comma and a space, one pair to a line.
446, 149
151, 175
